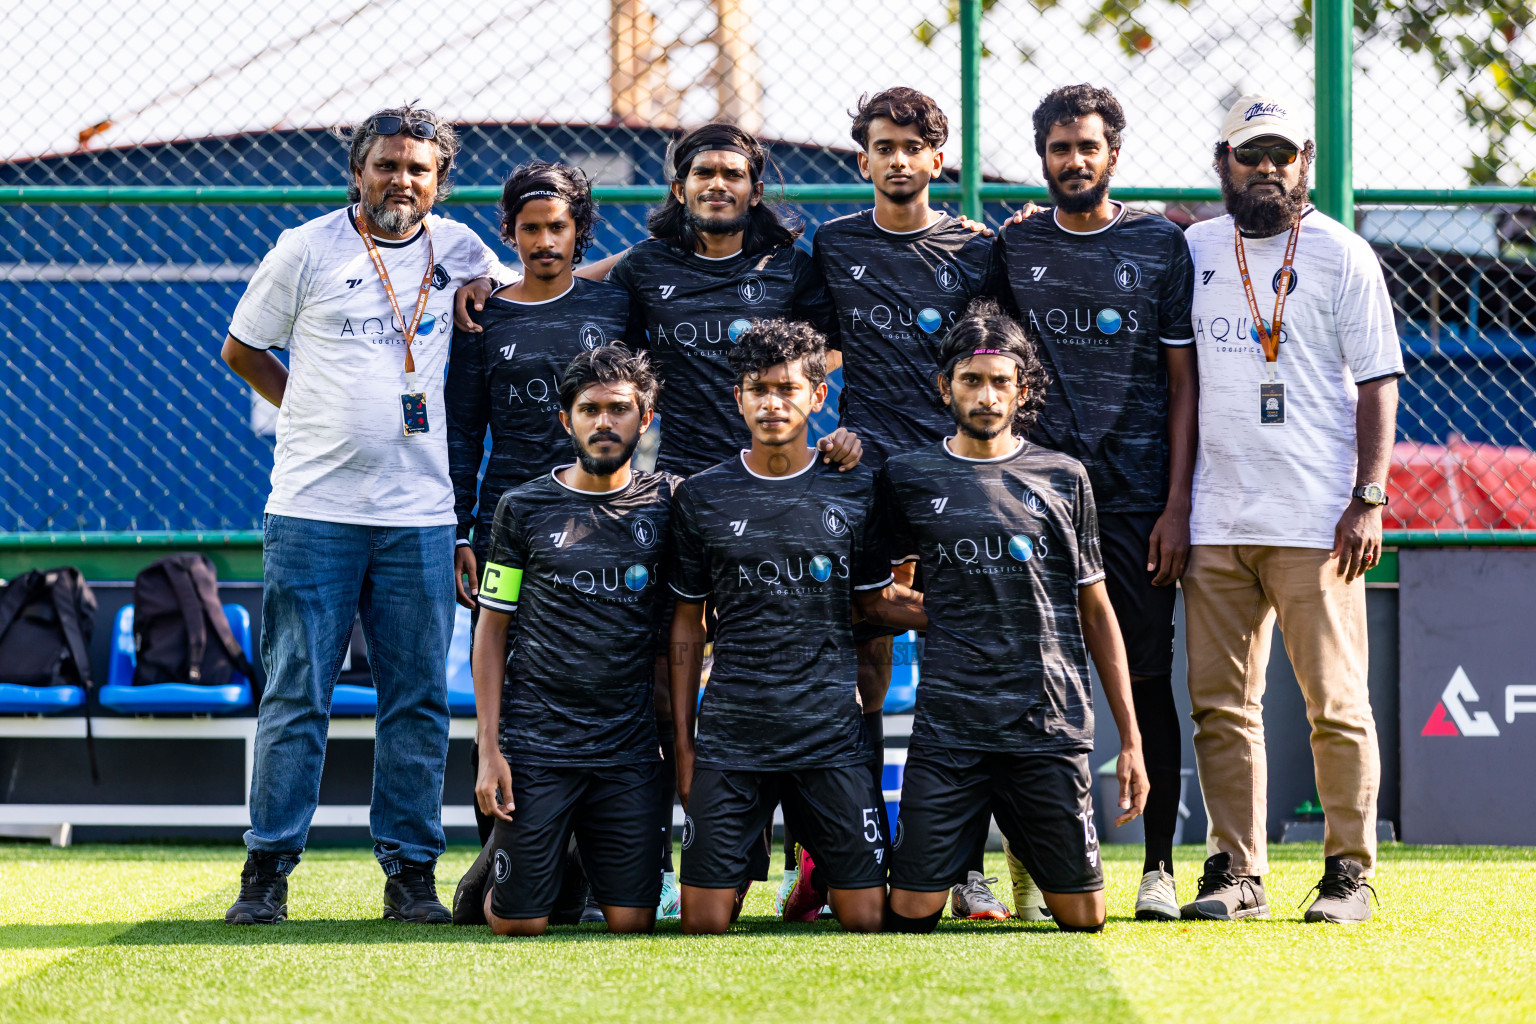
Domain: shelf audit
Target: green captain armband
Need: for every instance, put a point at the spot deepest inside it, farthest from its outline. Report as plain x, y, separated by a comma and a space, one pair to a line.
501, 583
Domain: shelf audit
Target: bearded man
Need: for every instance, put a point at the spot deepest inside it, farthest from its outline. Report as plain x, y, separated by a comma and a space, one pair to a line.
361, 515
1299, 361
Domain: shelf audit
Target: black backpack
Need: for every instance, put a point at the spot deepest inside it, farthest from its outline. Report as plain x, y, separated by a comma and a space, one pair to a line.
46, 620
175, 607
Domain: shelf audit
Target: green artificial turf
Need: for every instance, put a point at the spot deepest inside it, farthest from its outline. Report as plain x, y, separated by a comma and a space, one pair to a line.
127, 933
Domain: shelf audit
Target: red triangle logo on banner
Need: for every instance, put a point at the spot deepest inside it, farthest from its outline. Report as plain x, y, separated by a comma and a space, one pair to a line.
1438, 724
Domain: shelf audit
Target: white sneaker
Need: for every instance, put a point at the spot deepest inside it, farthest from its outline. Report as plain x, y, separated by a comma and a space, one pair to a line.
1028, 904
1155, 897
972, 900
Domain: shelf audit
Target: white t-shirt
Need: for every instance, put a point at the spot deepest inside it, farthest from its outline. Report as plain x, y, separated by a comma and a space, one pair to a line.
1284, 485
341, 453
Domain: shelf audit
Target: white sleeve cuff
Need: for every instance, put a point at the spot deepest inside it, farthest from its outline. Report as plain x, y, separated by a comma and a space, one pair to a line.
1091, 579
877, 586
687, 596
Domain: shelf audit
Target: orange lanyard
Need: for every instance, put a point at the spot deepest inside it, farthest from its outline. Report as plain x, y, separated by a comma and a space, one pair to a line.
1269, 337
394, 303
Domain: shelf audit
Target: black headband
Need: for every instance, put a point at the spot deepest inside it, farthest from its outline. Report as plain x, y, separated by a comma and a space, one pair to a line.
684, 158
949, 367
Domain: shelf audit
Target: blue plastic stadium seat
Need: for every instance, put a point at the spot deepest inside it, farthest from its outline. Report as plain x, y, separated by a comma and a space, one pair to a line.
890, 781
39, 700
461, 682
901, 698
172, 698
348, 699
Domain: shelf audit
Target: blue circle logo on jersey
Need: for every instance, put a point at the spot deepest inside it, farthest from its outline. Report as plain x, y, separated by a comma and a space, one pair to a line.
428, 322
1253, 332
1108, 321
737, 328
1127, 276
751, 290
591, 336
929, 319
636, 577
1021, 547
821, 568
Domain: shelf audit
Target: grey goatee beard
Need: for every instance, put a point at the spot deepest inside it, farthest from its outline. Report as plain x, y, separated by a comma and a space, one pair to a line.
393, 219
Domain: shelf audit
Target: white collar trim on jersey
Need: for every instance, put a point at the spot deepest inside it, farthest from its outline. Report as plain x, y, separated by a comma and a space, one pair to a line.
1001, 458
902, 234
541, 302
807, 469
720, 259
1096, 231
554, 475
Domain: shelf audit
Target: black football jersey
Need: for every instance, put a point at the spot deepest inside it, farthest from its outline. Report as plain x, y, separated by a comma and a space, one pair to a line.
1004, 545
1102, 305
695, 308
507, 378
779, 558
583, 574
897, 295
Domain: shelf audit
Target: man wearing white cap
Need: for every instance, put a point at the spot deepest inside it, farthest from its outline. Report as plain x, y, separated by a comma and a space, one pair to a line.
1299, 360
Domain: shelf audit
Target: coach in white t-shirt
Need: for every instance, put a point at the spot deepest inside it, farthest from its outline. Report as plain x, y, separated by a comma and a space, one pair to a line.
1296, 433
361, 517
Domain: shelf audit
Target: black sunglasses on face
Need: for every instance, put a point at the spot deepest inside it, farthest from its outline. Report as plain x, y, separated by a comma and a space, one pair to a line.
1280, 154
393, 124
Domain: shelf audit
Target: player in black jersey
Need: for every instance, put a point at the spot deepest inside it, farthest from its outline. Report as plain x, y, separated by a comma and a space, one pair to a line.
899, 276
779, 542
719, 258
1107, 290
566, 725
1015, 603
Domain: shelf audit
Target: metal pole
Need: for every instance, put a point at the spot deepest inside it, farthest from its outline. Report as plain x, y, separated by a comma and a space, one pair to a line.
1333, 39
970, 108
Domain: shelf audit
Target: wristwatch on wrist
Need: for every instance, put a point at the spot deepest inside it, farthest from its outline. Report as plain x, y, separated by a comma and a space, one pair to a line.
1371, 494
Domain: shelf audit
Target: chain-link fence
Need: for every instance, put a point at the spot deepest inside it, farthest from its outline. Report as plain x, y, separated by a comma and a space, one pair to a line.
123, 417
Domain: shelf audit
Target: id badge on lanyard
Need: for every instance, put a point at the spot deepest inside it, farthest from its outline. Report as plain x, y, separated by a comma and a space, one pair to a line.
1271, 391
413, 401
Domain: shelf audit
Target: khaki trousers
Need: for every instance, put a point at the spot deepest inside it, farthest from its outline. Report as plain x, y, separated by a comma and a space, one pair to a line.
1232, 595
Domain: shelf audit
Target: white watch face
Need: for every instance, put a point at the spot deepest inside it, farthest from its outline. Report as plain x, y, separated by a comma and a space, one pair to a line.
1373, 494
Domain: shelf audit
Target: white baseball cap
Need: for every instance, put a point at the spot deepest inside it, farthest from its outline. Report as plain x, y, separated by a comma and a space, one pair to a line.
1257, 115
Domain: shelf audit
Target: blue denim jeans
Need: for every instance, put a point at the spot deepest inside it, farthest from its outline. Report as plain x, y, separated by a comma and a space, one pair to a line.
400, 579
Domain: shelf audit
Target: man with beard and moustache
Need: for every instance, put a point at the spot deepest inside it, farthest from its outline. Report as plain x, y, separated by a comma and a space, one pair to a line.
779, 542
566, 727
1014, 605
1298, 403
1106, 290
361, 517
899, 276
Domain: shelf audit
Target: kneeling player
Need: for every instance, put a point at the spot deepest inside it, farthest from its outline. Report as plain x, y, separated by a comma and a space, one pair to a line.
779, 541
1008, 540
569, 744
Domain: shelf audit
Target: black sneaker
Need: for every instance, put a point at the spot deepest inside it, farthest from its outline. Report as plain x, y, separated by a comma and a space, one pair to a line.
1341, 897
593, 914
411, 895
469, 897
263, 892
1224, 896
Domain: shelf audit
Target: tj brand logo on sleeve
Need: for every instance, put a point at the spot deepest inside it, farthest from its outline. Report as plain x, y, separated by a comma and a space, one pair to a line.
558, 539
738, 526
938, 504
507, 350
666, 290
1206, 275
857, 272
1037, 272
1451, 717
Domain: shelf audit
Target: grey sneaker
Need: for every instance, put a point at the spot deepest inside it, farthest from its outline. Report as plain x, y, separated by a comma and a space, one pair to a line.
1028, 903
1224, 896
1156, 898
972, 900
1341, 897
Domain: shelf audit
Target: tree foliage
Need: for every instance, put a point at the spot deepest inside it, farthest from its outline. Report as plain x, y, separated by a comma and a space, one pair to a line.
1472, 44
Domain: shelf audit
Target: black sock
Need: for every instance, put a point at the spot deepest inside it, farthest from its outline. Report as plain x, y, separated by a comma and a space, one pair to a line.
1158, 720
894, 922
977, 860
791, 862
874, 723
668, 796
